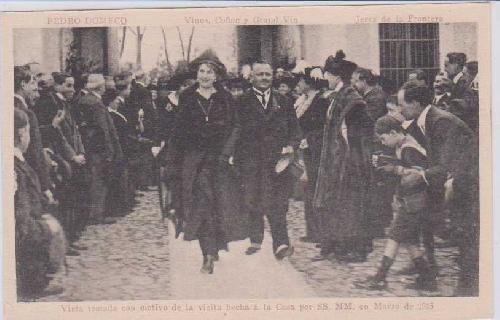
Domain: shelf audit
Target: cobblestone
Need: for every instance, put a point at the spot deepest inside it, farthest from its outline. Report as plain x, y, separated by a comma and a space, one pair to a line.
138, 258
329, 278
127, 260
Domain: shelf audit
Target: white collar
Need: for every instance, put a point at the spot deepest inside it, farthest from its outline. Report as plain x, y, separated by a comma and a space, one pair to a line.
60, 96
370, 89
458, 77
122, 100
141, 83
438, 97
266, 93
18, 154
422, 117
172, 96
20, 97
338, 86
96, 94
118, 113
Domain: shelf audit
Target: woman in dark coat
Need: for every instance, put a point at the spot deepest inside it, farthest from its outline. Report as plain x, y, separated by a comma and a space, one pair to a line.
311, 108
204, 137
342, 186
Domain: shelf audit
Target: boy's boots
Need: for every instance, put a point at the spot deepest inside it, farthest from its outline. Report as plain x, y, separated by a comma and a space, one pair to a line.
377, 281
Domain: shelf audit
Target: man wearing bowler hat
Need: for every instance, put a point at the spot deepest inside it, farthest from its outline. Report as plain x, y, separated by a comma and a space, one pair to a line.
270, 131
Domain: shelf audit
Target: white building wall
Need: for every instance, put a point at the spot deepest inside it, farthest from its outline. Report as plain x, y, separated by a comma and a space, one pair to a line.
458, 37
46, 46
358, 41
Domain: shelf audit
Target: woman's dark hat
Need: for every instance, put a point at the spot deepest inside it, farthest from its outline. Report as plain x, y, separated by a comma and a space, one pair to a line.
337, 65
290, 81
208, 56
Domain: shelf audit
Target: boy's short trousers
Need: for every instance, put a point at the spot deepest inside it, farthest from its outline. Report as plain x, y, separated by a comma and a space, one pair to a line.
405, 225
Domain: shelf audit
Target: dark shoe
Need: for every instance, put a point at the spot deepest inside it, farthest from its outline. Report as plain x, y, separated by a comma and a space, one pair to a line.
424, 284
284, 251
208, 265
179, 227
318, 245
371, 283
318, 257
72, 252
51, 290
409, 270
108, 220
78, 247
251, 250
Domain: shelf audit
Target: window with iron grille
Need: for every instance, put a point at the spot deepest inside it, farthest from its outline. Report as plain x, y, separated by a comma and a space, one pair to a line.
408, 46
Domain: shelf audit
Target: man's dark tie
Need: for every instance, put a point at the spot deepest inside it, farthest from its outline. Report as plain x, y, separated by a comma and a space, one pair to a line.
262, 99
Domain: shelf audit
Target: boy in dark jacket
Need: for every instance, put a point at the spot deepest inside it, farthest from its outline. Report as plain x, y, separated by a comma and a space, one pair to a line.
409, 205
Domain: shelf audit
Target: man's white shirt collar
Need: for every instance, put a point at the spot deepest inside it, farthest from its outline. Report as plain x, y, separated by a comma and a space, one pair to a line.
438, 97
266, 94
338, 86
457, 77
96, 94
60, 96
118, 113
421, 119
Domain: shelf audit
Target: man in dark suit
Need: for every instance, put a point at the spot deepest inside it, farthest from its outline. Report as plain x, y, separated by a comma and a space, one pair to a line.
453, 153
366, 83
140, 96
101, 145
375, 98
121, 198
442, 91
269, 131
25, 87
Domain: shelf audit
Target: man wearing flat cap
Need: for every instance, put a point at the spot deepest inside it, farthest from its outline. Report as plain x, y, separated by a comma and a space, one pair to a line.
270, 130
100, 142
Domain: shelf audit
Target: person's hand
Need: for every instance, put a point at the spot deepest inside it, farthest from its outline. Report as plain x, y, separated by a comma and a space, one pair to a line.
388, 168
155, 151
50, 197
412, 179
448, 190
79, 159
303, 144
287, 150
52, 222
375, 160
56, 121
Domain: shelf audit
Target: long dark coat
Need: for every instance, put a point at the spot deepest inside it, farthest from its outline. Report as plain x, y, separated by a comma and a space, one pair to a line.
207, 145
32, 234
264, 134
34, 155
98, 131
343, 176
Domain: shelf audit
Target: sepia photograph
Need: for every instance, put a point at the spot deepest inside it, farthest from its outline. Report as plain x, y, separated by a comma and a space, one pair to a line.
246, 158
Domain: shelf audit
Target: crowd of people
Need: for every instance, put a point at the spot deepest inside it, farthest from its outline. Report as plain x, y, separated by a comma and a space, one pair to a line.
399, 163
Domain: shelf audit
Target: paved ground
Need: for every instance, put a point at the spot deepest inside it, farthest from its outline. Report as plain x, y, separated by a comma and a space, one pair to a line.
330, 278
137, 258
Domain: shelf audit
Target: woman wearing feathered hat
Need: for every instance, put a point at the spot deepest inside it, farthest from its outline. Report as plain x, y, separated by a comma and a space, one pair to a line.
340, 198
204, 137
